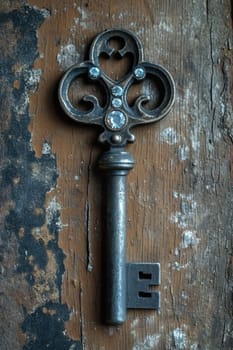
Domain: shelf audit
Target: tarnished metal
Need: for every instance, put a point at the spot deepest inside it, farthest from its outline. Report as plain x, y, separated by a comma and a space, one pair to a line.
118, 110
141, 277
115, 164
117, 117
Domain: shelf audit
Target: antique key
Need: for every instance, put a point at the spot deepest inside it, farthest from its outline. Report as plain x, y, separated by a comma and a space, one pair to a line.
127, 285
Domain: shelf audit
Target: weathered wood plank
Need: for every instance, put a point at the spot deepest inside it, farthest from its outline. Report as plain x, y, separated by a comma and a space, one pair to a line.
179, 193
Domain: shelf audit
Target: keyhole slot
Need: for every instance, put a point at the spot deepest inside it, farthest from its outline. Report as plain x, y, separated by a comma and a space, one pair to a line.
144, 276
144, 294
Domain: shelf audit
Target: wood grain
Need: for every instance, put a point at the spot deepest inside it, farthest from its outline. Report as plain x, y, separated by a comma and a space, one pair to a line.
180, 191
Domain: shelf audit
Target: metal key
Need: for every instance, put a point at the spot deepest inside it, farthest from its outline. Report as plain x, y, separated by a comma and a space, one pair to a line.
127, 285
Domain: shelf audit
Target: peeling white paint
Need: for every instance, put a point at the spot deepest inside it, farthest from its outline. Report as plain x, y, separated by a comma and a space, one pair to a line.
177, 252
175, 194
53, 208
44, 12
222, 108
83, 20
183, 152
143, 199
36, 231
23, 104
180, 338
149, 342
134, 324
189, 239
31, 78
170, 136
165, 26
187, 214
195, 142
140, 32
150, 321
80, 22
190, 99
68, 56
184, 295
177, 266
83, 13
46, 148
132, 24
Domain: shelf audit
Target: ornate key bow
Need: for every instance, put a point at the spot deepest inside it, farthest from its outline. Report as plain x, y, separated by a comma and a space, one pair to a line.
126, 284
117, 117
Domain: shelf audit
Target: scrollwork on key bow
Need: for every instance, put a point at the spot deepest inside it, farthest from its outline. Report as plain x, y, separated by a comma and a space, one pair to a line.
117, 116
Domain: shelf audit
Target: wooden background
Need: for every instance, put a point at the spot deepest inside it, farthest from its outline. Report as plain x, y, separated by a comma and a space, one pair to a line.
179, 193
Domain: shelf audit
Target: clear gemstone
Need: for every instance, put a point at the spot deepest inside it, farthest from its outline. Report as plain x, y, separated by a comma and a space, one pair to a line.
116, 102
139, 73
117, 91
94, 72
116, 120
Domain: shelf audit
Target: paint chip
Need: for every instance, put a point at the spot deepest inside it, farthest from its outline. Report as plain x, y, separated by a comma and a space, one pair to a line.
170, 136
68, 56
53, 208
180, 338
177, 266
183, 152
149, 342
166, 27
189, 239
188, 208
32, 78
46, 148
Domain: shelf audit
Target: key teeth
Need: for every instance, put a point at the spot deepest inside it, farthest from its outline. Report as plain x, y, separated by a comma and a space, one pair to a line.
140, 276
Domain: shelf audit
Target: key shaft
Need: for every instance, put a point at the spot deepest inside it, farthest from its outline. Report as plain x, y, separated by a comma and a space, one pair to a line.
115, 165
